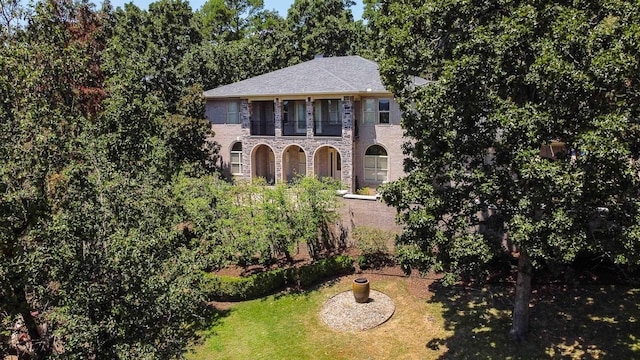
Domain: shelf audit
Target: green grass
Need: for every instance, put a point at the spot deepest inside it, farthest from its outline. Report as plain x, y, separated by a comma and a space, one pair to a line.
455, 323
267, 329
289, 327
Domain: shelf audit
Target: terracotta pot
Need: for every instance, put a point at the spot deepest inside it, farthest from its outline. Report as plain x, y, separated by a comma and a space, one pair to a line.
361, 290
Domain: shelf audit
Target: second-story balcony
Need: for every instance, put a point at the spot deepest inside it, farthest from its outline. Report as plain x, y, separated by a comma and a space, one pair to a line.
327, 128
324, 121
294, 118
262, 119
327, 116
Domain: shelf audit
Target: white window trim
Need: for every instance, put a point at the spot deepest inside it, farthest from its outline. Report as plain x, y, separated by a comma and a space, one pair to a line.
239, 162
384, 111
376, 111
376, 169
365, 112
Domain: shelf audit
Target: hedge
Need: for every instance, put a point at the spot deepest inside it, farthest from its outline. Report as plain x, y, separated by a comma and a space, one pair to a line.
229, 288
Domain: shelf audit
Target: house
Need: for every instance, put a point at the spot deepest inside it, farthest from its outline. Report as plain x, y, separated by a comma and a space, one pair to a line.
328, 117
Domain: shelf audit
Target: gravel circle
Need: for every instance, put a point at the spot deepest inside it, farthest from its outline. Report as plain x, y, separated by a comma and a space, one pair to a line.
342, 312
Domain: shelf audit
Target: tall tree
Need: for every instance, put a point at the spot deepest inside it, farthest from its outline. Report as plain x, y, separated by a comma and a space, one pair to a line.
367, 36
229, 20
265, 47
51, 94
93, 260
11, 13
270, 41
528, 130
150, 77
322, 27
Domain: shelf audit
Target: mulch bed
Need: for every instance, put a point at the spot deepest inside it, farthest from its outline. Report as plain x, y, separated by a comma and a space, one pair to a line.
342, 312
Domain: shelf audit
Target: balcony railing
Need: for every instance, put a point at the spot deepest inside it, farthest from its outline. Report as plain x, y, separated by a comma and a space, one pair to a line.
262, 127
326, 129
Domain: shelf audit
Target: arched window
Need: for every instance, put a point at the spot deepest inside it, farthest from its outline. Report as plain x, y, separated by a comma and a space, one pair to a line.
236, 159
376, 167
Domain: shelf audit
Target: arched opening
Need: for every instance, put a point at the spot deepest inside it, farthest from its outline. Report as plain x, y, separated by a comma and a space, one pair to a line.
328, 163
294, 162
263, 163
376, 164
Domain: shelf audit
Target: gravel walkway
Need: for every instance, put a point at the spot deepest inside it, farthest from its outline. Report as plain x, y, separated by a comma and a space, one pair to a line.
342, 312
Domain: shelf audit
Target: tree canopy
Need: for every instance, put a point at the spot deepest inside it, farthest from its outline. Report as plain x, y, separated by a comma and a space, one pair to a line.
526, 135
321, 27
104, 226
229, 19
92, 262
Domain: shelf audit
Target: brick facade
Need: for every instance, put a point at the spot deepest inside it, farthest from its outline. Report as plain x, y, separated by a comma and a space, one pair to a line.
351, 149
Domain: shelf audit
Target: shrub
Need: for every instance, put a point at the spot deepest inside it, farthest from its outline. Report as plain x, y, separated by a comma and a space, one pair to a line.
365, 191
229, 288
373, 244
322, 269
371, 240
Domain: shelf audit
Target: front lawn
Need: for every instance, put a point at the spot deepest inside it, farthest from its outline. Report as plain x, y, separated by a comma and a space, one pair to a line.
458, 323
289, 327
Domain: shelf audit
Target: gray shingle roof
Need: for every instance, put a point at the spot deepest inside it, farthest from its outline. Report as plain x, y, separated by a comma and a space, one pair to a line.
330, 75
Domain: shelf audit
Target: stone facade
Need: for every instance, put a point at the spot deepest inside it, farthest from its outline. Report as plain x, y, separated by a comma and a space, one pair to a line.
351, 148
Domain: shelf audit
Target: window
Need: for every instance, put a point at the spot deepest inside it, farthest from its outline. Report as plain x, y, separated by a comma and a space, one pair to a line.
236, 159
233, 113
376, 164
383, 111
328, 117
301, 118
369, 111
285, 112
334, 111
377, 111
295, 111
317, 116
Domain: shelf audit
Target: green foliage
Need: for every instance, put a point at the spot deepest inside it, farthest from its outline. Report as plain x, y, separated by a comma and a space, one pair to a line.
11, 12
108, 204
50, 92
94, 250
365, 191
322, 269
249, 223
227, 288
315, 210
229, 20
132, 275
321, 27
374, 246
508, 79
154, 114
372, 240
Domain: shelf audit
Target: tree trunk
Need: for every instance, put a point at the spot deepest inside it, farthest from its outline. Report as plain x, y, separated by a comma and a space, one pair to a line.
520, 325
29, 322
